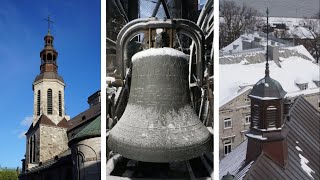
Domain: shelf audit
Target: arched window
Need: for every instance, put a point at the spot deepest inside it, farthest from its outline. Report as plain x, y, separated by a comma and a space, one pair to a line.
54, 57
30, 150
38, 102
49, 56
49, 101
60, 104
80, 163
44, 57
34, 148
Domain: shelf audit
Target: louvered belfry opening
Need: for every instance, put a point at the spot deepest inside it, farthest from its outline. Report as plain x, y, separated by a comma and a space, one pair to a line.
255, 115
38, 102
60, 104
49, 101
266, 114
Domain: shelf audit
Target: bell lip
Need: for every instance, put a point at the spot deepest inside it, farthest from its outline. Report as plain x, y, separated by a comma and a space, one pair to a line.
161, 156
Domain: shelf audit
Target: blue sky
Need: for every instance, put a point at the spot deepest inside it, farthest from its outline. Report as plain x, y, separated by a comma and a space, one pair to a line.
77, 40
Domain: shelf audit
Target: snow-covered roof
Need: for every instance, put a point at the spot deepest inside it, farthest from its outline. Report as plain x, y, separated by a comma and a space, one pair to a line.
236, 45
231, 163
233, 76
300, 32
302, 50
295, 26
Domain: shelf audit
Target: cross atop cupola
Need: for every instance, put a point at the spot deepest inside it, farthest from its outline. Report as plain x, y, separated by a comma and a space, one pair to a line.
49, 21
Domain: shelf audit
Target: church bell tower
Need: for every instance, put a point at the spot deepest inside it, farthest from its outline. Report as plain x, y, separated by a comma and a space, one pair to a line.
49, 86
47, 135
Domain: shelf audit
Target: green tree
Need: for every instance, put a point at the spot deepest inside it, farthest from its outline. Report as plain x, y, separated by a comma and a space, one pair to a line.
8, 174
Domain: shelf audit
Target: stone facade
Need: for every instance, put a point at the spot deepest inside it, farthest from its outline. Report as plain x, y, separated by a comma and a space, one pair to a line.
53, 141
86, 154
237, 109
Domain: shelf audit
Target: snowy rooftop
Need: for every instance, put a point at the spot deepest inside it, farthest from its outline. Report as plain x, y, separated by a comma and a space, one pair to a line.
234, 77
236, 45
295, 26
233, 163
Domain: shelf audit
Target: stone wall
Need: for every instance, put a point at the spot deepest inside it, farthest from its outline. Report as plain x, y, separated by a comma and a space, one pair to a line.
236, 109
86, 156
53, 141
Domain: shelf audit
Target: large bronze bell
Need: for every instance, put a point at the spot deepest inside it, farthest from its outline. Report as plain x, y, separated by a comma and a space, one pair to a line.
158, 124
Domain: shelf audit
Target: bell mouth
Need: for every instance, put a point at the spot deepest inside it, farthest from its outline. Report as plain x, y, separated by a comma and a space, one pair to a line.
144, 138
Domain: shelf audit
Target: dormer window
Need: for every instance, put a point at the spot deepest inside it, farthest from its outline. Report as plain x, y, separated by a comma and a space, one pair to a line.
302, 84
316, 80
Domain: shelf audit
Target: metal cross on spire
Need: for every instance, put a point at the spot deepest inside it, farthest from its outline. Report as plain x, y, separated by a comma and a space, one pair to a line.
267, 55
49, 21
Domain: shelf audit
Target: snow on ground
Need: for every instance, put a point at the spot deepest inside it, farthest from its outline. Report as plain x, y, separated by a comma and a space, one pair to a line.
232, 76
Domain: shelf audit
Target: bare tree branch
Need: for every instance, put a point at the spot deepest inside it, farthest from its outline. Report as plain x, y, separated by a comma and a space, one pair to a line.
235, 21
